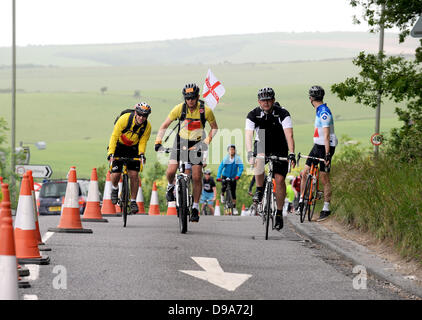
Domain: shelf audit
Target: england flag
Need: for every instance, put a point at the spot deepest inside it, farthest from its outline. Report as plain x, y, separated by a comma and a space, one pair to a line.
213, 90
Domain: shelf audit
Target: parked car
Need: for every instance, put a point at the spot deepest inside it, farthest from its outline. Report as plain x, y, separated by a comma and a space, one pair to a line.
52, 193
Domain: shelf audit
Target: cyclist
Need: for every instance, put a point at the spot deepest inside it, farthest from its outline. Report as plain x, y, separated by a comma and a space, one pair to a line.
231, 167
290, 194
190, 144
325, 141
129, 139
209, 192
274, 136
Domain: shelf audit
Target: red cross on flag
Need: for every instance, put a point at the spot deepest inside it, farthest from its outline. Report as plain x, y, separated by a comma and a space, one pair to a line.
213, 90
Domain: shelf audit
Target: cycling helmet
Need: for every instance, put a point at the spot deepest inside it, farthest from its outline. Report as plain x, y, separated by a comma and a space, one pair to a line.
143, 109
190, 90
266, 93
231, 146
208, 171
317, 93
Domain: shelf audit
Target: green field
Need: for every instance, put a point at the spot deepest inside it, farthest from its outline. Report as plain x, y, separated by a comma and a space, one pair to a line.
64, 106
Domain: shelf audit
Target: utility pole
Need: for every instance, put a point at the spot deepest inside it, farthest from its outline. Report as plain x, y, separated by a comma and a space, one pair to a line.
380, 54
13, 133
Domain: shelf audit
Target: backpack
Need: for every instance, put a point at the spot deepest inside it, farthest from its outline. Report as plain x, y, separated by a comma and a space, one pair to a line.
129, 123
201, 112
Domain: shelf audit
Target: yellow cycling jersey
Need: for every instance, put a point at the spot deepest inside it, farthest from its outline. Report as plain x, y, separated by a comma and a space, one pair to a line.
129, 138
191, 129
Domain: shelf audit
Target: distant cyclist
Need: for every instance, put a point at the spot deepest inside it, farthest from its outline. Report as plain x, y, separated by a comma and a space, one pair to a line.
209, 191
190, 144
231, 167
325, 141
273, 129
129, 139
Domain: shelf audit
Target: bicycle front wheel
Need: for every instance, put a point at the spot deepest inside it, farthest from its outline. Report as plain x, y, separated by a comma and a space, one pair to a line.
313, 202
183, 206
229, 202
268, 208
125, 198
306, 198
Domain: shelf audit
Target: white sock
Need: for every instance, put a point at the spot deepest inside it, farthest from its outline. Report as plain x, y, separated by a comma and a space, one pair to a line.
133, 200
326, 206
301, 199
115, 188
195, 205
170, 184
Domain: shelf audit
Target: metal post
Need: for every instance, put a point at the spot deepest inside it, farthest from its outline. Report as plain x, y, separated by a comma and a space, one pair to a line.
13, 129
380, 52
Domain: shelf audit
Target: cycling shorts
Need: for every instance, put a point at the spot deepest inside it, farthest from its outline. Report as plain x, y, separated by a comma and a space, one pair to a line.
194, 157
318, 151
127, 152
279, 167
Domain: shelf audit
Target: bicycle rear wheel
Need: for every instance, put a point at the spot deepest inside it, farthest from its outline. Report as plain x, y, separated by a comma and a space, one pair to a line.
268, 208
306, 199
183, 206
125, 198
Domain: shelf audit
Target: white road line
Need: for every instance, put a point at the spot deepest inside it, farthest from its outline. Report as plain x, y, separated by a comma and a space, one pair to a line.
34, 272
30, 297
47, 236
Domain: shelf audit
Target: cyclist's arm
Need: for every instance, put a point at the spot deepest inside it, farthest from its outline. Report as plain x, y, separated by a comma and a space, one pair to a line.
212, 133
144, 139
117, 132
162, 130
326, 131
220, 169
249, 138
288, 132
240, 167
214, 189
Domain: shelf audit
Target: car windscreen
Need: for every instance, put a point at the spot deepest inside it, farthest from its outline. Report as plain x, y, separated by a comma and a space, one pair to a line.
54, 190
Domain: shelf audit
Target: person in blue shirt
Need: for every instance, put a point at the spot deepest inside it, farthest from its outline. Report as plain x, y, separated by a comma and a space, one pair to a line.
231, 167
325, 142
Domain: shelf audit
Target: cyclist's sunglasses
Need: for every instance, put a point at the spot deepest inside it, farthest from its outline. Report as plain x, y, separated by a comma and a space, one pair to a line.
141, 114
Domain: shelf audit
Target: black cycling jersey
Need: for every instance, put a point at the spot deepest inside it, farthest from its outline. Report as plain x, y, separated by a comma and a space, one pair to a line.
208, 184
270, 128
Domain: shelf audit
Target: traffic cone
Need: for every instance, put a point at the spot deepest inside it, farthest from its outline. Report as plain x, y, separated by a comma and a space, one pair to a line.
243, 212
171, 208
154, 208
140, 199
9, 272
93, 211
25, 232
108, 209
70, 220
217, 208
23, 272
37, 226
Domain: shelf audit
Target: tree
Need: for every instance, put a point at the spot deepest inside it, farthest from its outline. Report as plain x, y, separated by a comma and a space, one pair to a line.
103, 90
395, 78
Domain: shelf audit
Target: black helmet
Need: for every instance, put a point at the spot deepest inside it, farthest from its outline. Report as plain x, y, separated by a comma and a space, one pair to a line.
143, 109
231, 146
190, 90
317, 93
266, 94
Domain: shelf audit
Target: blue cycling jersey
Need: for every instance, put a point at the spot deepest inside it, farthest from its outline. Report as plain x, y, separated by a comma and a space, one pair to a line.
324, 119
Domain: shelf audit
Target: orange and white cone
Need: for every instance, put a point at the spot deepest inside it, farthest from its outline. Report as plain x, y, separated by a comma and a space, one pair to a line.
243, 212
171, 208
26, 239
92, 211
23, 272
37, 225
140, 199
217, 211
70, 220
108, 209
154, 207
9, 272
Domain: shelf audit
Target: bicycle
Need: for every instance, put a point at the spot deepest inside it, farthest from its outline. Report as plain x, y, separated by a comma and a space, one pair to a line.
124, 199
205, 209
184, 198
228, 198
311, 192
267, 209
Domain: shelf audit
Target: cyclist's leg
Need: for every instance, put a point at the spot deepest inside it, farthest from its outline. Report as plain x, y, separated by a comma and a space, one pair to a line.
233, 191
280, 190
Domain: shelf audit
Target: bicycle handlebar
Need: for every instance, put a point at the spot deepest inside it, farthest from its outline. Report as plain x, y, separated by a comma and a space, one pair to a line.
299, 155
276, 158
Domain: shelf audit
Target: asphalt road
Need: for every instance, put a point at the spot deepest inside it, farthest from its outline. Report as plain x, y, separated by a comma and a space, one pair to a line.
145, 259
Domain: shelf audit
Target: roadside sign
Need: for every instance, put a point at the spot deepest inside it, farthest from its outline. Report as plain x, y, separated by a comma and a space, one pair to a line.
38, 171
417, 29
376, 139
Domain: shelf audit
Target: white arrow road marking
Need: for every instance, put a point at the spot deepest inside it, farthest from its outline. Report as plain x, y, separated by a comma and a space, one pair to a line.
30, 297
215, 274
47, 236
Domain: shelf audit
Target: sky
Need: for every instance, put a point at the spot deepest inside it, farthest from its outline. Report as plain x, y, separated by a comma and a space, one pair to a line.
46, 22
